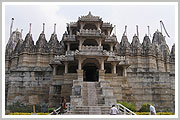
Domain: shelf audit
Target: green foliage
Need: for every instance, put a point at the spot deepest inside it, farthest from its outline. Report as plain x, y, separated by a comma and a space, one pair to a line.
42, 113
20, 107
159, 113
16, 113
142, 113
129, 105
165, 113
50, 110
144, 108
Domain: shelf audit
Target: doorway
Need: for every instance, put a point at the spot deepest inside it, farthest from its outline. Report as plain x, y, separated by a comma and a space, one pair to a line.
91, 73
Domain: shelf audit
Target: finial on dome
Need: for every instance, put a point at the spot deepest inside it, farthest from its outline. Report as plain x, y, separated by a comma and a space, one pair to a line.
54, 28
43, 27
89, 14
12, 20
30, 28
21, 31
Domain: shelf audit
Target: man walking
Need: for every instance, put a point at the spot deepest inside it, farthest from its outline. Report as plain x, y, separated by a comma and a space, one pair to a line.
113, 110
152, 109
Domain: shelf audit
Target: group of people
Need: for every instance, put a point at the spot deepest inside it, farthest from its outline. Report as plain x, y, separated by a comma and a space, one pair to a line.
114, 110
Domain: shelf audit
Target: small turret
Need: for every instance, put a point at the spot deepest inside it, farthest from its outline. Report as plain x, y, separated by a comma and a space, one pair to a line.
53, 42
172, 54
28, 44
41, 44
158, 38
135, 45
124, 46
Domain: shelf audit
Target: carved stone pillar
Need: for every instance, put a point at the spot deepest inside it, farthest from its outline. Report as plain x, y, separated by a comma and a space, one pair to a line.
66, 67
54, 69
80, 43
108, 33
82, 25
124, 72
102, 64
80, 75
68, 46
79, 64
99, 42
114, 68
111, 47
98, 26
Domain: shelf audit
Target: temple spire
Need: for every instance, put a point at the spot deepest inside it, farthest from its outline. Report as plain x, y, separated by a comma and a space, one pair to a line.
54, 28
149, 34
30, 28
137, 31
125, 31
12, 20
21, 32
43, 28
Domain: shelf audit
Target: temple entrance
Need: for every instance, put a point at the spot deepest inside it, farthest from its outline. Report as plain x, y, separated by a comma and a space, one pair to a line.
91, 73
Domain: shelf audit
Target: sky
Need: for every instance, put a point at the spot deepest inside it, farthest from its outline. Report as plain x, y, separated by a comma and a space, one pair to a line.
118, 15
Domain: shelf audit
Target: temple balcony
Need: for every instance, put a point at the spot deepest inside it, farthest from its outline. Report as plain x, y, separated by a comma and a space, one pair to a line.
69, 38
91, 48
110, 38
69, 56
110, 53
90, 32
106, 24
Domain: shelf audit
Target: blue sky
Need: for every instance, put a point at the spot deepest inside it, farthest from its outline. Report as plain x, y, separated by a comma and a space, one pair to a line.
119, 15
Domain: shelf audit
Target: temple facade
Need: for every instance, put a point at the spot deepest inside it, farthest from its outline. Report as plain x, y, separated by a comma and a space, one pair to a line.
90, 68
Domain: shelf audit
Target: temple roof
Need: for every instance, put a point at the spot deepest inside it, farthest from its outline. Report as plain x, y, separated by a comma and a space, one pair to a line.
89, 17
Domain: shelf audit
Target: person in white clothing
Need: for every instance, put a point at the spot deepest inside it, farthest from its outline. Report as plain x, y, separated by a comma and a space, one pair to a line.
113, 110
152, 109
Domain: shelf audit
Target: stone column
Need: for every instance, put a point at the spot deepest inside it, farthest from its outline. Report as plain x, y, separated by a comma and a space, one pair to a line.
111, 47
79, 64
108, 33
124, 71
82, 25
66, 67
101, 75
98, 26
54, 69
114, 68
102, 64
80, 43
80, 75
99, 42
68, 46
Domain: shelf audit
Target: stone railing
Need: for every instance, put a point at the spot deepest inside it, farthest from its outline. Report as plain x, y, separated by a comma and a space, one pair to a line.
106, 24
121, 58
73, 23
89, 18
90, 48
69, 56
110, 53
89, 32
70, 37
110, 38
70, 53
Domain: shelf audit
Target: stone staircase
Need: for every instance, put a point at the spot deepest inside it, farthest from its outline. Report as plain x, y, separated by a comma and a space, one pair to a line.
93, 100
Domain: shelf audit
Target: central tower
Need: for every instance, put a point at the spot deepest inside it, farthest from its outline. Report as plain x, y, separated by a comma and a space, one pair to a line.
91, 55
